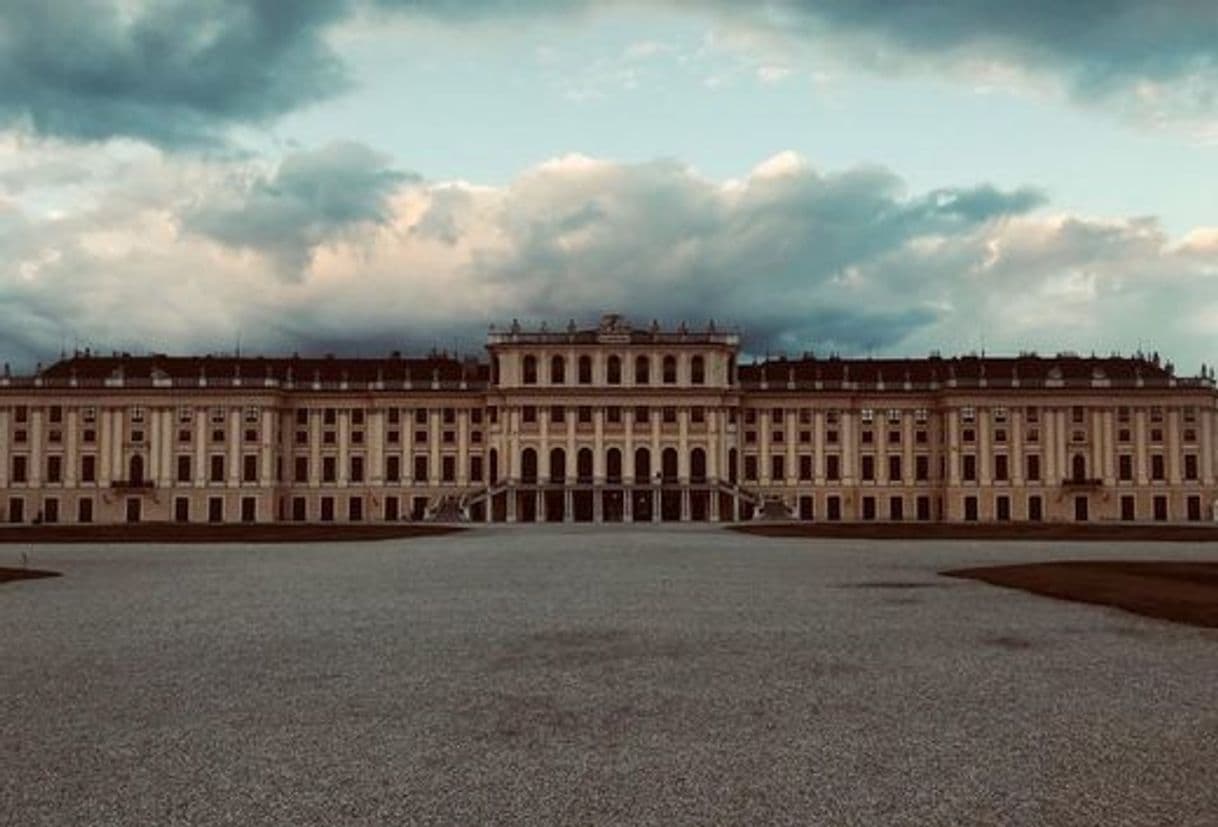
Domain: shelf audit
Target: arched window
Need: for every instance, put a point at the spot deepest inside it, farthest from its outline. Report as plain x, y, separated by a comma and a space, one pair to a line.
668, 462
583, 465
528, 465
494, 370
493, 466
530, 369
558, 370
642, 465
642, 370
697, 371
731, 370
1079, 467
614, 370
670, 370
697, 465
135, 469
732, 469
613, 465
558, 465
585, 370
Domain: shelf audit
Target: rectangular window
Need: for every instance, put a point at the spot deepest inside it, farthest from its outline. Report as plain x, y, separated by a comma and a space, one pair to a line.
88, 468
867, 468
1002, 508
1125, 467
968, 469
777, 468
355, 509
894, 469
54, 468
922, 468
1000, 467
868, 508
805, 467
1033, 467
475, 469
84, 510
217, 468
300, 469
393, 468
833, 467
1157, 471
528, 414
420, 469
1128, 508
750, 467
184, 463
357, 469
249, 468
448, 469
1190, 466
970, 509
1035, 508
20, 472
329, 469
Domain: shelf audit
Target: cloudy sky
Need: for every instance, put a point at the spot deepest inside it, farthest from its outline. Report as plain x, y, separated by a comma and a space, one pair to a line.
362, 175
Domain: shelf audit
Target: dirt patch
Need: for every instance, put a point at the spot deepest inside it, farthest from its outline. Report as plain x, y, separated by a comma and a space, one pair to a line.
1139, 532
1179, 592
207, 533
10, 574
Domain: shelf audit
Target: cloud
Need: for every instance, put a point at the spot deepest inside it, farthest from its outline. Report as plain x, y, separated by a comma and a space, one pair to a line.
184, 73
312, 198
174, 73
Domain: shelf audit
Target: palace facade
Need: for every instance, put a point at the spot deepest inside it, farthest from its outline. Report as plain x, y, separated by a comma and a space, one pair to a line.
610, 424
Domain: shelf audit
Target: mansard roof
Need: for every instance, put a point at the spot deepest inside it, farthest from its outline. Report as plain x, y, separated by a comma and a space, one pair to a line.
327, 369
971, 370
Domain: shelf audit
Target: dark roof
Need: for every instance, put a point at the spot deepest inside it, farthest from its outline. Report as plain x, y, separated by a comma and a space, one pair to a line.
325, 369
996, 371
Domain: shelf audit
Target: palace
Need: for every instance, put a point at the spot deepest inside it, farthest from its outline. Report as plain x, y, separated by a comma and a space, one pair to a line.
610, 424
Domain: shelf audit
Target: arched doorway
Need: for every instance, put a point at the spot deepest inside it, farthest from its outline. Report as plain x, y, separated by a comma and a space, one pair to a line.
697, 465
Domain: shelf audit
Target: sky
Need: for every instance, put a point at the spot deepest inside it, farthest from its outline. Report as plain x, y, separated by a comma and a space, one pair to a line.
850, 176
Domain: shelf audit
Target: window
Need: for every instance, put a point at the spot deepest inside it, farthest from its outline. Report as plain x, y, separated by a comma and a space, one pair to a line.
805, 467
1157, 467
1000, 467
777, 468
420, 468
642, 367
894, 437
1002, 508
475, 469
669, 414
614, 413
1033, 467
355, 509
21, 413
89, 414
614, 370
300, 471
750, 467
640, 413
217, 416
894, 469
1190, 466
894, 416
217, 468
585, 370
557, 412
558, 370
1125, 467
184, 468
968, 468
1156, 413
1035, 508
970, 509
867, 471
968, 414
1000, 435
697, 371
329, 469
448, 469
921, 467
833, 467
1123, 413
1000, 415
393, 416
528, 414
138, 415
55, 468
867, 415
868, 508
84, 510
697, 414
88, 468
420, 416
357, 469
393, 468
55, 414
357, 416
670, 370
530, 369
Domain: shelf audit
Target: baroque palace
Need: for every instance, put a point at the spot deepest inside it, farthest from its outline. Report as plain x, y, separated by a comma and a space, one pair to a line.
610, 424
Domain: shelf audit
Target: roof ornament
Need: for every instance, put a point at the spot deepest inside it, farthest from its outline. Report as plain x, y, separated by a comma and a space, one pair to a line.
710, 326
682, 328
571, 325
515, 325
655, 327
8, 370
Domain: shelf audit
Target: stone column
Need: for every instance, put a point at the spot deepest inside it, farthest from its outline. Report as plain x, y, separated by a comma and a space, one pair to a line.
234, 447
463, 446
344, 446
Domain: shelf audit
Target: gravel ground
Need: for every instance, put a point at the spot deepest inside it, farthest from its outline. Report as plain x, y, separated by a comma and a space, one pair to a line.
553, 675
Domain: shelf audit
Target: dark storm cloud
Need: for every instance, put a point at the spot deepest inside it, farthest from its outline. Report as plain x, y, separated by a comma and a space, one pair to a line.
313, 197
174, 73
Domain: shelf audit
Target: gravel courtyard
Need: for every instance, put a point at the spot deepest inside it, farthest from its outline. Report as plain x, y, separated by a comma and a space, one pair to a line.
551, 675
